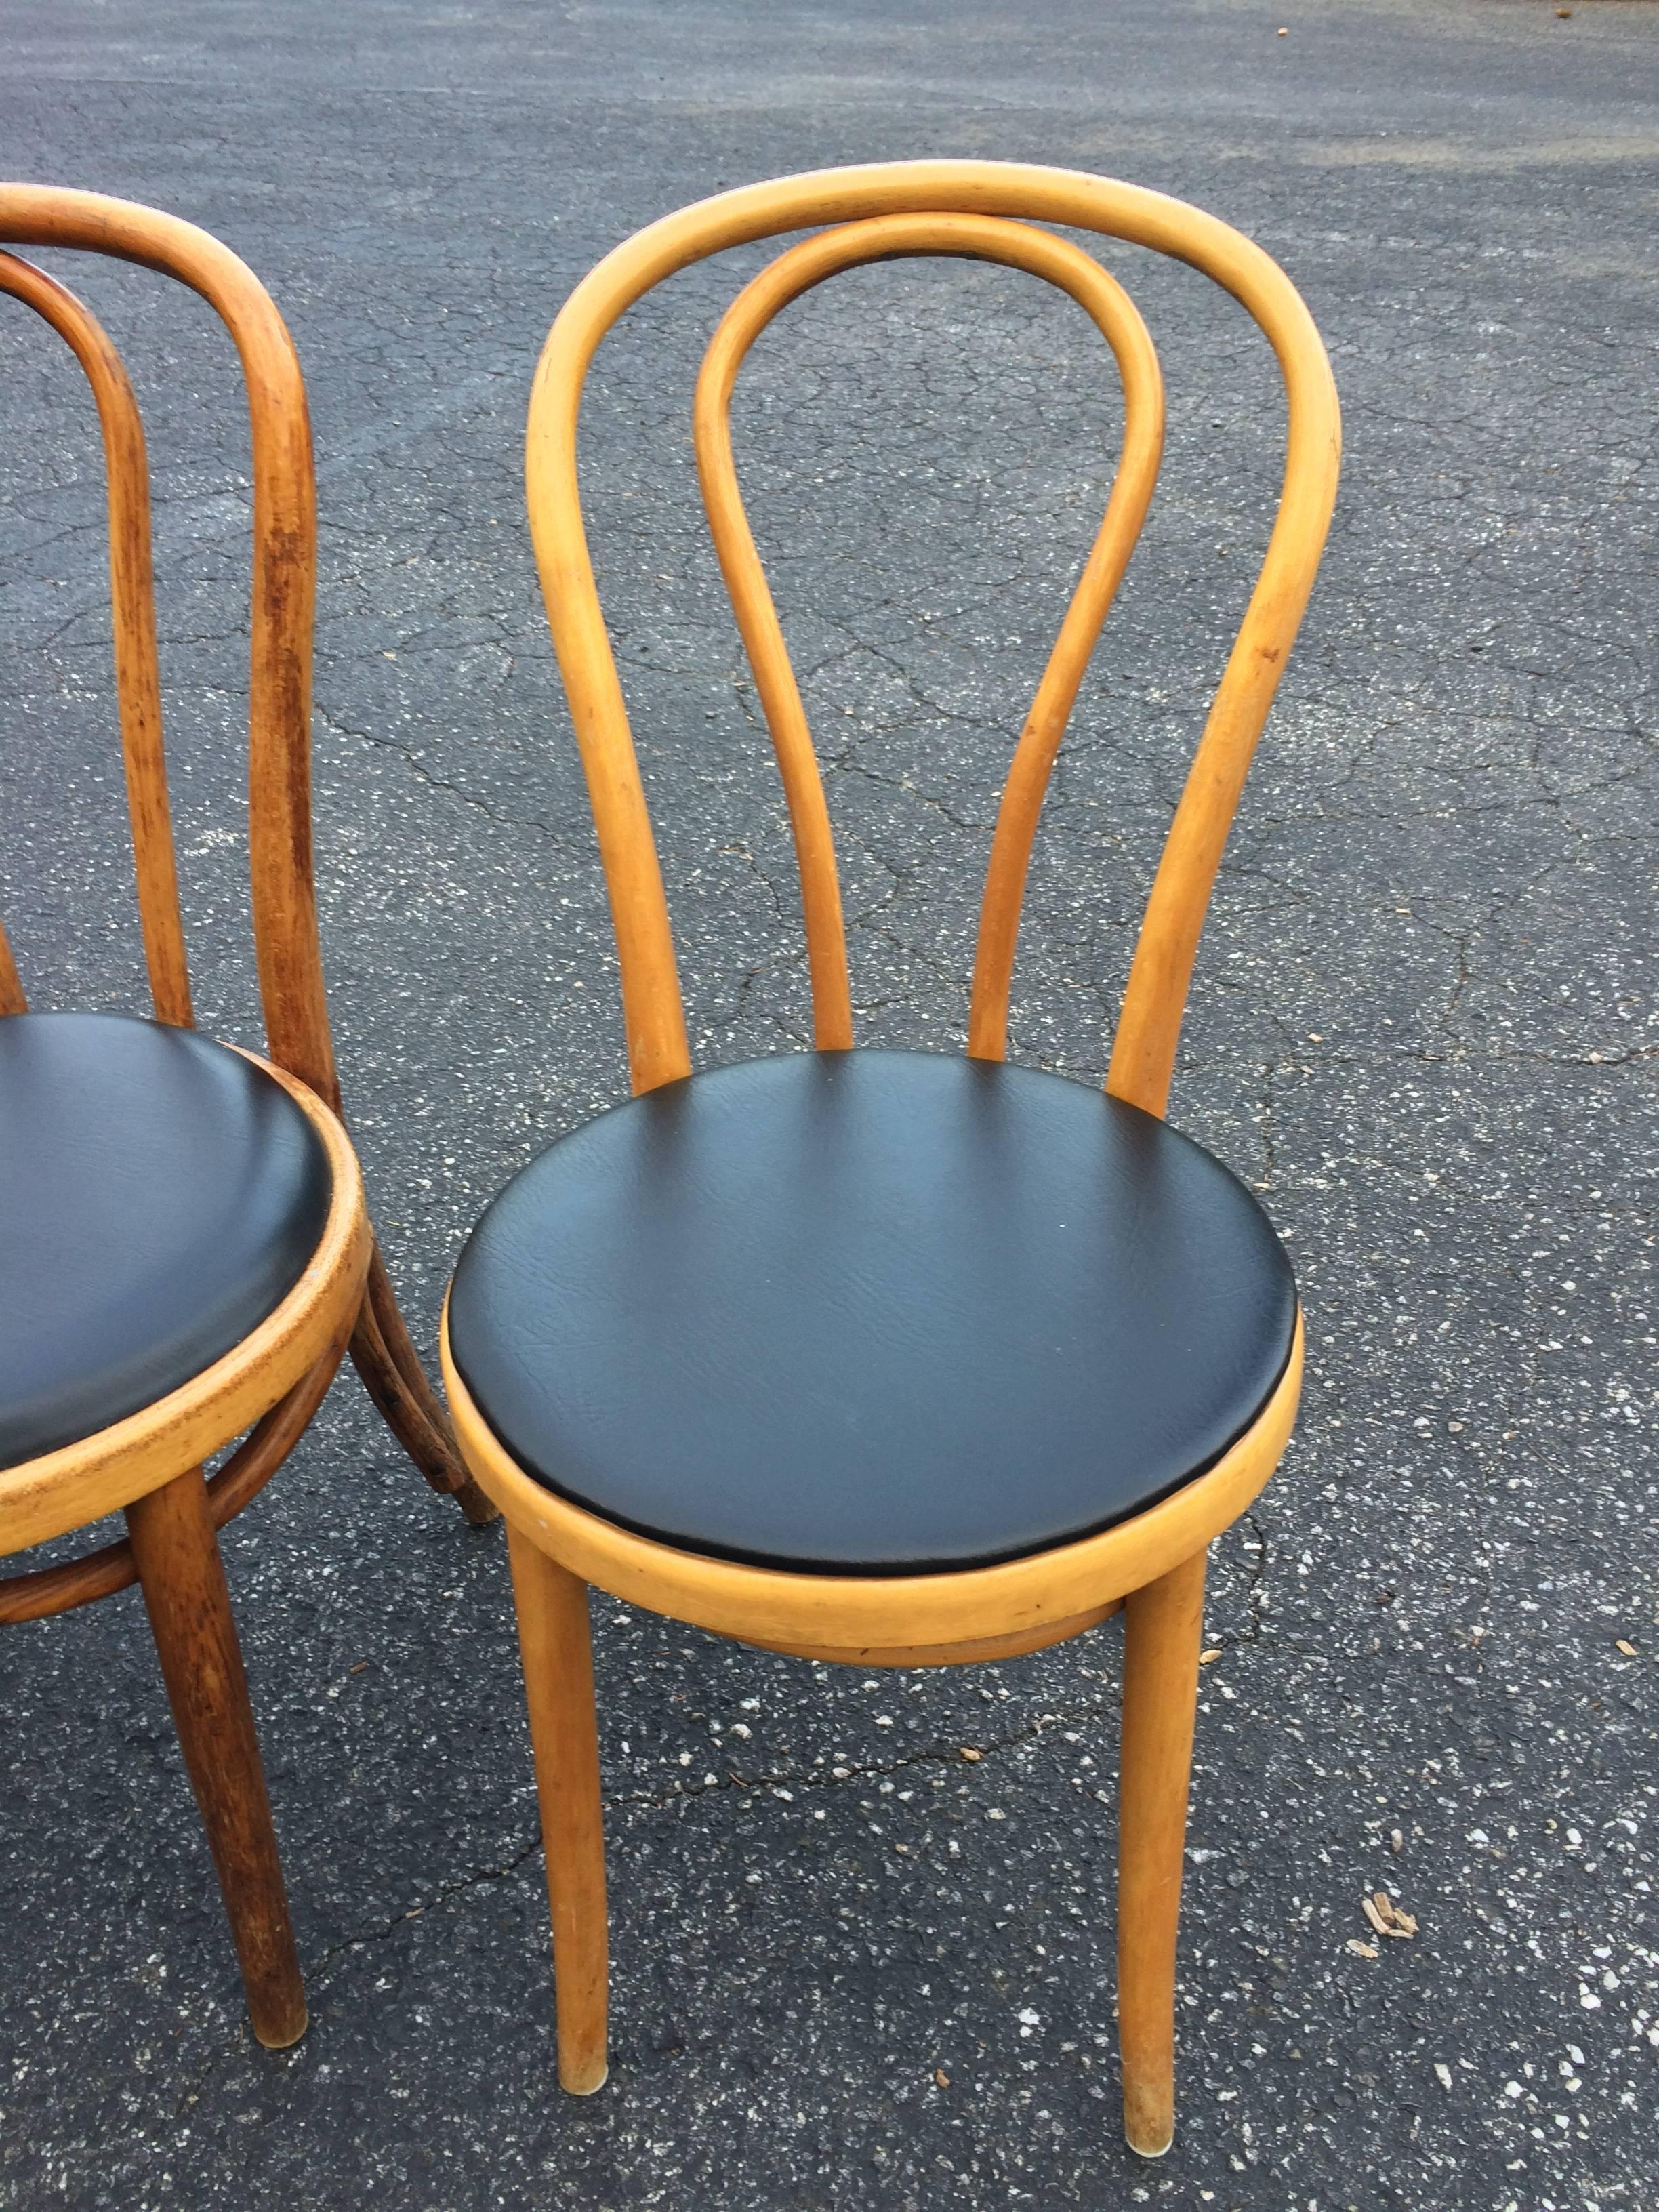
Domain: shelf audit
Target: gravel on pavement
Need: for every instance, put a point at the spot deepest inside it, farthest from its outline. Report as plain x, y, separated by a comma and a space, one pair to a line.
863, 1925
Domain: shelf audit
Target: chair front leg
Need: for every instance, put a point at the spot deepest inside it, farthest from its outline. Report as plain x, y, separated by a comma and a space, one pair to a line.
556, 1648
189, 1606
1162, 1631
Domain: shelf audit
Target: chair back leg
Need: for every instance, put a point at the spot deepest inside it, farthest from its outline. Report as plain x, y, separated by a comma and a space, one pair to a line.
555, 1639
385, 1358
1163, 1628
189, 1606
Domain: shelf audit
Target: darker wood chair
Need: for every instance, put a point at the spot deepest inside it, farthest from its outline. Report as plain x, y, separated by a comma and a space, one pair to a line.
185, 1255
892, 1358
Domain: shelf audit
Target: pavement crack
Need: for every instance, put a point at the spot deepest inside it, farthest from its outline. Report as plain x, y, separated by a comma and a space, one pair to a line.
851, 1771
475, 1879
1257, 1559
787, 1780
503, 821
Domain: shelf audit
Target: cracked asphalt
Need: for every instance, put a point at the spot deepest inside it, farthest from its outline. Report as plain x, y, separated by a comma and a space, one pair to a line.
863, 1926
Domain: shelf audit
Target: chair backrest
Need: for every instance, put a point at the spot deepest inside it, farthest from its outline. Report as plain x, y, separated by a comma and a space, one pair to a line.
984, 210
284, 604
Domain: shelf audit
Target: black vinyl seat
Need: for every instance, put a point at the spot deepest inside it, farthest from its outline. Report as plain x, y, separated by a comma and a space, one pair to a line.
160, 1195
871, 1312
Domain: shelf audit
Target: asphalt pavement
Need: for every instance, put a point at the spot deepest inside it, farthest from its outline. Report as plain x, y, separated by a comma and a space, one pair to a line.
853, 1965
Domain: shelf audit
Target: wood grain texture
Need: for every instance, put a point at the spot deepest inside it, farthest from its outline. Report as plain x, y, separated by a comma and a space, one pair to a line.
556, 1644
1152, 1564
41, 1592
171, 1531
1015, 245
284, 584
132, 595
284, 589
1163, 1625
391, 1373
967, 1652
1149, 1029
149, 1464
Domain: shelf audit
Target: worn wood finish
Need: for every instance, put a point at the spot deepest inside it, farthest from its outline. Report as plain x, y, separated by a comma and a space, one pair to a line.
1150, 1566
132, 595
284, 588
171, 1531
1015, 245
391, 1372
1163, 1625
283, 595
150, 1466
286, 942
556, 1643
45, 1590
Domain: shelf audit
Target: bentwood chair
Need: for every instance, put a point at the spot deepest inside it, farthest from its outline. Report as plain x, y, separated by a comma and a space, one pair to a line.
893, 1358
185, 1254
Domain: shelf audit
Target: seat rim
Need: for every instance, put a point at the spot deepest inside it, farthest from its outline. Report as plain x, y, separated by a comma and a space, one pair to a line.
78, 1483
652, 1488
895, 1620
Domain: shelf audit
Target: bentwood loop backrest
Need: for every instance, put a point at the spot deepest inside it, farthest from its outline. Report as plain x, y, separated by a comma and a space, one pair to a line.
984, 210
283, 600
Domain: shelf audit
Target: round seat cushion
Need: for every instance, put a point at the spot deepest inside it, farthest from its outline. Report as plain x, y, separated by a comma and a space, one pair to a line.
870, 1312
160, 1195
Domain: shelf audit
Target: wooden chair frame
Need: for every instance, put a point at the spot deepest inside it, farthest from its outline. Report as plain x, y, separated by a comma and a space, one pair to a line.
1151, 1567
149, 1466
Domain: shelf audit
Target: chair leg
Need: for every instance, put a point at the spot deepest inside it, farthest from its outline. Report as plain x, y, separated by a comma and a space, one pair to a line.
558, 1652
189, 1608
1163, 1626
385, 1357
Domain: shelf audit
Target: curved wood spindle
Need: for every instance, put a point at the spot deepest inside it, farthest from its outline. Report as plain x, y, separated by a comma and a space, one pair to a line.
1155, 997
653, 1011
1015, 245
137, 677
390, 1368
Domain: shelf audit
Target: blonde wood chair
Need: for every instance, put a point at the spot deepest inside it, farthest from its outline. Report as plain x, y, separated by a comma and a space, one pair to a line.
890, 1359
185, 1255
